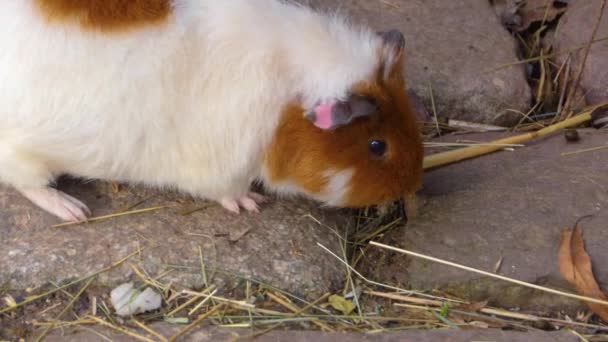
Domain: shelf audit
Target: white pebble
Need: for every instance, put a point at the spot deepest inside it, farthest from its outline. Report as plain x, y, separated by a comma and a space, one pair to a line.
129, 301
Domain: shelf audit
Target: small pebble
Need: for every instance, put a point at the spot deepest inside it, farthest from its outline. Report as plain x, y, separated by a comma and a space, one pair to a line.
571, 135
129, 301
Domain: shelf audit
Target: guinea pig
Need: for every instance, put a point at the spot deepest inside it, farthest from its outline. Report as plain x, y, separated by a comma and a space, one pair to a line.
206, 97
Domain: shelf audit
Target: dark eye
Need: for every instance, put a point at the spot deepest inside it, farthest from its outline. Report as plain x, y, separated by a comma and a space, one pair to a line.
377, 147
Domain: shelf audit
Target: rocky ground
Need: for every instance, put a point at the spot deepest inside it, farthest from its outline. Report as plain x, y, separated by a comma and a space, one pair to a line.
501, 213
278, 246
508, 207
211, 334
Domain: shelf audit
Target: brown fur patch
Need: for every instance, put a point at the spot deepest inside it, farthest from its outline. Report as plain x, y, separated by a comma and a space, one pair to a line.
289, 157
106, 15
301, 152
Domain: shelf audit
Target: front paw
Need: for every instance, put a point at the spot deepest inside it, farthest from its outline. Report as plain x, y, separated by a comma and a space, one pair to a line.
249, 202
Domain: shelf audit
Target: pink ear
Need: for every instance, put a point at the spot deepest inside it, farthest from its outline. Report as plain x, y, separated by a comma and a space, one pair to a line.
323, 115
335, 113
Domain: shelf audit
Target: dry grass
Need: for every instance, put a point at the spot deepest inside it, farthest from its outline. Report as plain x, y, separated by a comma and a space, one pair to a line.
491, 275
559, 99
378, 307
66, 306
441, 159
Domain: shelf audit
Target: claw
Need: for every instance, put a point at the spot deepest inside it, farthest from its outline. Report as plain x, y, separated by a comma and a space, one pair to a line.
57, 203
249, 202
257, 197
230, 205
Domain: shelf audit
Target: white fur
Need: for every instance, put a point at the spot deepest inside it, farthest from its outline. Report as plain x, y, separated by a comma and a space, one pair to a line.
338, 186
334, 193
190, 104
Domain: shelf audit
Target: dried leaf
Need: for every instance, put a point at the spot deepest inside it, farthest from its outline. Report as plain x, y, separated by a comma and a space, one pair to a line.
472, 307
341, 304
566, 264
535, 10
575, 267
458, 319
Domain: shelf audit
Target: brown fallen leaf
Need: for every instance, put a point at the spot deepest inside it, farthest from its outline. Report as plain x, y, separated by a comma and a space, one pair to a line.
458, 315
575, 267
536, 10
472, 307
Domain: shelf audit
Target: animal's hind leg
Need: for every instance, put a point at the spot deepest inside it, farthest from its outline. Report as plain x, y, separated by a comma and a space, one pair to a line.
57, 203
30, 176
